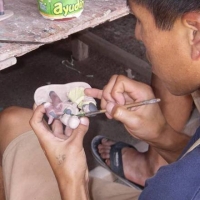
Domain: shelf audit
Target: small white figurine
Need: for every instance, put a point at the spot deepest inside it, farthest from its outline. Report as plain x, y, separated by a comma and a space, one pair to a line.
64, 102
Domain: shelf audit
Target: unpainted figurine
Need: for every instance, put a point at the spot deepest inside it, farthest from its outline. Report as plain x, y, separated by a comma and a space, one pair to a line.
64, 102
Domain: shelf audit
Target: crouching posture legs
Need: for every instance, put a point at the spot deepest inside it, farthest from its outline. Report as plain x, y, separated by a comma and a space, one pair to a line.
26, 171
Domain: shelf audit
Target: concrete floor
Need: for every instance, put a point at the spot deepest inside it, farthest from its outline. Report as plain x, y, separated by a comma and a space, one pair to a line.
44, 66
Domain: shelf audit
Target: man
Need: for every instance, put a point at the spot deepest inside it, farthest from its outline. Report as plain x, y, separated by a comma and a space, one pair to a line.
170, 30
138, 166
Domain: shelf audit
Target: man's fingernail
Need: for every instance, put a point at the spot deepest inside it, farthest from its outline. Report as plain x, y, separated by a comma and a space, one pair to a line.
86, 91
109, 107
84, 121
46, 104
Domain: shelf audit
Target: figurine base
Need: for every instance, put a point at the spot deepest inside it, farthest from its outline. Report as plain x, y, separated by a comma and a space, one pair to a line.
7, 14
42, 93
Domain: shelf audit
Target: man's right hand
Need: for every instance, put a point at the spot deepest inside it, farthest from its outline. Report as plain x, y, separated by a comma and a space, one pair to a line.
143, 122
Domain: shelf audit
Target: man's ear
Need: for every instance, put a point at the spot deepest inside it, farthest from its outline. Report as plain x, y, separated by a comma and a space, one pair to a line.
192, 21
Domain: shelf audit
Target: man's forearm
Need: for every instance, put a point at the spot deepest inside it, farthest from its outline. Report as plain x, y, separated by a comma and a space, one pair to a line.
73, 190
170, 144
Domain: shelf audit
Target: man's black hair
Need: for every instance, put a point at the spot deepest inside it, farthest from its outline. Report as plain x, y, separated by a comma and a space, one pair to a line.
165, 12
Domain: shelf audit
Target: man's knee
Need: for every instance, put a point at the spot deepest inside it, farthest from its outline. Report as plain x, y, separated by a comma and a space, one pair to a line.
14, 115
14, 121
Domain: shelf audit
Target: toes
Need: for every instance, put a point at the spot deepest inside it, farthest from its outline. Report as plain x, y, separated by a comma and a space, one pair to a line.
104, 149
105, 155
107, 161
107, 142
104, 152
101, 147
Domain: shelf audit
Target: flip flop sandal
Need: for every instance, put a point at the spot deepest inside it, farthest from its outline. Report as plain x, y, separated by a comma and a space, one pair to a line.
116, 166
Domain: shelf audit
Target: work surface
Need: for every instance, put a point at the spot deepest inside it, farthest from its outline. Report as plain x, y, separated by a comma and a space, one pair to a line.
28, 24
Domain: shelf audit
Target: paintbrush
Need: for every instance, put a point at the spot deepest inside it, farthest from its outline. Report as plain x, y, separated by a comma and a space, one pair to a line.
136, 104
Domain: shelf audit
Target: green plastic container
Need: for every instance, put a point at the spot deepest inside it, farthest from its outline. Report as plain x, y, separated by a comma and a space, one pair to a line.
60, 9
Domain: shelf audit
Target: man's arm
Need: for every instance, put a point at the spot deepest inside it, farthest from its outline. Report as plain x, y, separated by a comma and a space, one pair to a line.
65, 154
73, 190
170, 144
147, 122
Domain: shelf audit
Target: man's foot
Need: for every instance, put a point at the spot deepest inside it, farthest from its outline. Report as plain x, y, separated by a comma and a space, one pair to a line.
137, 166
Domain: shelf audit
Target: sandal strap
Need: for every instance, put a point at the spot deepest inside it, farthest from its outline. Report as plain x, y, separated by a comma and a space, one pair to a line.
116, 163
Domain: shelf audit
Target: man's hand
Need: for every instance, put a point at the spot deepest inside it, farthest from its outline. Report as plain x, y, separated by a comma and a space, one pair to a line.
144, 122
65, 154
